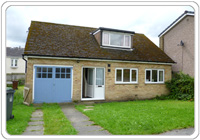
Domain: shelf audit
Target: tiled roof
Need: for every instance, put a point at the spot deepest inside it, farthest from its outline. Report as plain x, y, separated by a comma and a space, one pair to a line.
176, 21
15, 51
58, 40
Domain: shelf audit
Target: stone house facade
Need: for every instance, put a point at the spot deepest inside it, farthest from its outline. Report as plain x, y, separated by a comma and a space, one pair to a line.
15, 65
177, 41
74, 64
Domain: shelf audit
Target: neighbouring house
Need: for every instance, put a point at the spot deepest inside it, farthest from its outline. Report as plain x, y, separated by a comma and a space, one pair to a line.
177, 41
15, 65
72, 63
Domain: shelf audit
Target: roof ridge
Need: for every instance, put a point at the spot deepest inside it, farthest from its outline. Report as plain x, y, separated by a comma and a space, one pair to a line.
62, 24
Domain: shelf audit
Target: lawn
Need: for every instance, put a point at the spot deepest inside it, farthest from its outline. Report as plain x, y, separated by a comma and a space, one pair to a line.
55, 122
21, 112
142, 117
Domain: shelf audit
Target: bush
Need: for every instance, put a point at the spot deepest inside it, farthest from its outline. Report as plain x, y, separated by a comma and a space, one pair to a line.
18, 97
21, 82
181, 87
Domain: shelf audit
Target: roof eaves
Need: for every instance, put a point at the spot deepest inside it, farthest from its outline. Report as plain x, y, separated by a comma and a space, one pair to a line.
116, 30
88, 58
176, 21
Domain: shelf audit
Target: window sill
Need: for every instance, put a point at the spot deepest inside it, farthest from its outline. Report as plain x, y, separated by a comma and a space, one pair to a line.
117, 48
126, 83
157, 83
127, 47
13, 67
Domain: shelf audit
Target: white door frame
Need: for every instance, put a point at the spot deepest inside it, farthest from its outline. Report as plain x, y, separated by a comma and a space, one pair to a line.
86, 99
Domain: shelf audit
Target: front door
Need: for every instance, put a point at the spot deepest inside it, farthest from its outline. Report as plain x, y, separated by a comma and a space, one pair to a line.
93, 83
99, 86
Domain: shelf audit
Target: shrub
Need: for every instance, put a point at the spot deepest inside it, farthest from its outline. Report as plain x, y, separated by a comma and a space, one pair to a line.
181, 87
21, 82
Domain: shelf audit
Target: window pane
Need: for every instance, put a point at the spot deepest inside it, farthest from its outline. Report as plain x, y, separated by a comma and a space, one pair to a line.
63, 70
90, 80
161, 76
38, 75
38, 69
100, 76
12, 62
68, 70
44, 75
126, 40
49, 69
126, 77
148, 75
119, 75
57, 69
62, 75
116, 39
67, 75
49, 75
154, 76
57, 75
44, 69
15, 62
134, 75
105, 38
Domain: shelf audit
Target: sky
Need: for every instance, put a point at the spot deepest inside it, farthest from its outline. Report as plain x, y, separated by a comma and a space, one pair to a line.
148, 20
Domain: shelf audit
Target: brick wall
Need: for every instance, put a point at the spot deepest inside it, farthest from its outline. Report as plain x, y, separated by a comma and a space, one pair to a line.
113, 92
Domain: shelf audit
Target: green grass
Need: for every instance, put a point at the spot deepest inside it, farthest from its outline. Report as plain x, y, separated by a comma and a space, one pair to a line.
21, 112
142, 117
55, 122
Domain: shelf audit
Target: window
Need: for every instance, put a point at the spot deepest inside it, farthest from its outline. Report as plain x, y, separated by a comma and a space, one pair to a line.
154, 76
13, 62
99, 76
126, 75
63, 73
116, 39
43, 72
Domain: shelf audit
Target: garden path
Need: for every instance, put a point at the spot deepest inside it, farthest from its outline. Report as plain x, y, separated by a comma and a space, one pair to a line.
36, 124
81, 122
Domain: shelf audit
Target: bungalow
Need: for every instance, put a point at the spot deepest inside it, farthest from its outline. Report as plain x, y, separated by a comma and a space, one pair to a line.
72, 63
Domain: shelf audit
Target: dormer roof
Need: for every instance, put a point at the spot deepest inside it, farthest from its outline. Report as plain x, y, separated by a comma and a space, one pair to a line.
113, 30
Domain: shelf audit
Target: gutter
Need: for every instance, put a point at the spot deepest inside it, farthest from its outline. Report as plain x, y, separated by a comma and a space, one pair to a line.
96, 59
25, 62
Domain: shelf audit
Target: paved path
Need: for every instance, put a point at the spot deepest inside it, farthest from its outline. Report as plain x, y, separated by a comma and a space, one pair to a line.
36, 124
81, 122
187, 131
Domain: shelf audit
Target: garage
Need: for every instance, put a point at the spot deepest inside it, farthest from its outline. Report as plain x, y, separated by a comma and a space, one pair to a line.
52, 84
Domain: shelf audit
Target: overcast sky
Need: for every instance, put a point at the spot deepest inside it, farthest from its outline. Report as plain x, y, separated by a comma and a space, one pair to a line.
149, 20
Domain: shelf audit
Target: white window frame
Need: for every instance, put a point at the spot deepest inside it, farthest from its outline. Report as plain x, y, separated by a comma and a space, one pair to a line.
122, 75
13, 60
158, 80
124, 34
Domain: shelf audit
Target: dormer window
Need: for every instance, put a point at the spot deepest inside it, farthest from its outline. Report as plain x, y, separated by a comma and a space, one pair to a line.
116, 39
